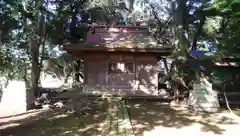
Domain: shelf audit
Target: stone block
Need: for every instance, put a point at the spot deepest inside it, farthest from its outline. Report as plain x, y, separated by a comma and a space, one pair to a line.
203, 97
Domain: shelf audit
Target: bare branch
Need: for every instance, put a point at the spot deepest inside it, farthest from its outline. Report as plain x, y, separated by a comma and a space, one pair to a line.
160, 23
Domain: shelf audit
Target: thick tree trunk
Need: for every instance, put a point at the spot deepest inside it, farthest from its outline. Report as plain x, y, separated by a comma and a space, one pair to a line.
183, 27
35, 45
27, 83
35, 68
180, 14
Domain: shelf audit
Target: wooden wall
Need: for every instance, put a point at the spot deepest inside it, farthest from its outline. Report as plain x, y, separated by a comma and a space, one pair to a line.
140, 76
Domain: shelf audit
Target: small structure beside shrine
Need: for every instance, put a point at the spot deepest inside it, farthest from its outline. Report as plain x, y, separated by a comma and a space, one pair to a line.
120, 60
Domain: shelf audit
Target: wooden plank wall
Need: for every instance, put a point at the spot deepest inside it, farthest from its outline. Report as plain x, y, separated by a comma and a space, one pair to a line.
143, 80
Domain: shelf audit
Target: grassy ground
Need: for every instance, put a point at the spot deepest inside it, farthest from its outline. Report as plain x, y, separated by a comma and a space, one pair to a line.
118, 122
58, 124
150, 118
237, 112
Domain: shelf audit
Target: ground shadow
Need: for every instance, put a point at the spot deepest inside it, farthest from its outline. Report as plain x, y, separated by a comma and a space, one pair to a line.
234, 107
21, 114
147, 115
58, 124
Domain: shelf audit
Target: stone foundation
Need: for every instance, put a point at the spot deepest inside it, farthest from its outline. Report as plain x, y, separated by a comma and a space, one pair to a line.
203, 98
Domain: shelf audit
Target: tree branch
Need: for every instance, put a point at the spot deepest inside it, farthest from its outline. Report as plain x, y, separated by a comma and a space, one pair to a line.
198, 30
161, 30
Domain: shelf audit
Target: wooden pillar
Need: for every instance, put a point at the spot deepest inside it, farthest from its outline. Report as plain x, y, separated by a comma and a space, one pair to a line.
135, 71
106, 72
85, 71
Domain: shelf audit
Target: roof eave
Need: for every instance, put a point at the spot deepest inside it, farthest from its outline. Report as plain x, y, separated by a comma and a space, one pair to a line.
69, 47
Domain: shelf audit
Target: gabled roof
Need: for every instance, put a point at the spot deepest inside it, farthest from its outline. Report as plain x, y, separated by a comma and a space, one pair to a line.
123, 38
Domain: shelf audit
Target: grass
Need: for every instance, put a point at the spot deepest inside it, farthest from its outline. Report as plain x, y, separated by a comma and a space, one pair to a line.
67, 126
58, 124
147, 118
237, 111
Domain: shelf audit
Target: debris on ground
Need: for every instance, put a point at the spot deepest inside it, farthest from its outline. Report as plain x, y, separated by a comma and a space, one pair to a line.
45, 97
79, 107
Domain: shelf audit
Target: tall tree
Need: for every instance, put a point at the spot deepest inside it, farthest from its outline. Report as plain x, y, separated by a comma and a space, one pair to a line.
225, 31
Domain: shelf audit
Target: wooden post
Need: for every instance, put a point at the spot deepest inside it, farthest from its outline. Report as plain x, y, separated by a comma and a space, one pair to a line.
106, 73
84, 71
135, 72
85, 61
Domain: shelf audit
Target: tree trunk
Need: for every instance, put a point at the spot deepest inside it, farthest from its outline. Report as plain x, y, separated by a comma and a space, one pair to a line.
35, 68
180, 14
198, 30
25, 78
67, 76
183, 27
7, 82
35, 45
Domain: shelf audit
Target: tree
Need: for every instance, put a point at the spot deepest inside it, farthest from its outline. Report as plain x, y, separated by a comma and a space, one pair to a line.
225, 31
28, 38
224, 7
222, 30
12, 41
38, 28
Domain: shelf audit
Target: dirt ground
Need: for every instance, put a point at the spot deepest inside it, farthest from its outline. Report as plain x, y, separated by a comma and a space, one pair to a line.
49, 123
154, 118
148, 118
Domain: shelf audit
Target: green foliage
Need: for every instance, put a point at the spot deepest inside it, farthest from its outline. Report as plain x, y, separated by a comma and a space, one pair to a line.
224, 8
20, 26
229, 40
222, 27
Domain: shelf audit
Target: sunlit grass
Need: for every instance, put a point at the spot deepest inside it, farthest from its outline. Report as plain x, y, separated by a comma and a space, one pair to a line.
60, 124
